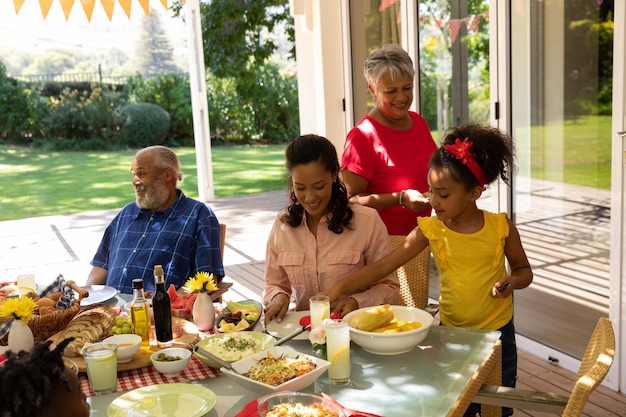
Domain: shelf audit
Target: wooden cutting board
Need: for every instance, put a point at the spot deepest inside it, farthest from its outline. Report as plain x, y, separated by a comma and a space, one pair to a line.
184, 332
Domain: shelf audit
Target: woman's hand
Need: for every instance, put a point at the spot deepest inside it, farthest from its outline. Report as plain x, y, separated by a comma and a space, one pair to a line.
414, 200
502, 288
346, 305
277, 308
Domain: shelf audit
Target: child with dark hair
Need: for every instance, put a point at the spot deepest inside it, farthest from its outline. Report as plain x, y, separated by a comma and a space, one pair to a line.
38, 384
320, 238
470, 245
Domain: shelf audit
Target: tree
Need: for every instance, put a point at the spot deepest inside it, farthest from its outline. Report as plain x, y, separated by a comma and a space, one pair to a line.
154, 53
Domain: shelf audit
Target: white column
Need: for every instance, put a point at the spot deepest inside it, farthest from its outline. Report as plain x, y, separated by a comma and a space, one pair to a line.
200, 109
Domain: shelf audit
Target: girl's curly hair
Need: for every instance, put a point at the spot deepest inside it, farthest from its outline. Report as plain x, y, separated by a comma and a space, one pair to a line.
28, 380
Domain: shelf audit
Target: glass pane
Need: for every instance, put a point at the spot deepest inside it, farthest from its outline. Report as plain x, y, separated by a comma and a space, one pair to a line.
373, 23
561, 115
454, 62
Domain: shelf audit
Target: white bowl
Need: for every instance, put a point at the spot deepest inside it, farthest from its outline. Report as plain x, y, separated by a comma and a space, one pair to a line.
127, 346
392, 343
243, 366
171, 368
287, 397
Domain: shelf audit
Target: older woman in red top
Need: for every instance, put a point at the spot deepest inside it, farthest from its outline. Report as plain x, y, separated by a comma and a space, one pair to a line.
385, 157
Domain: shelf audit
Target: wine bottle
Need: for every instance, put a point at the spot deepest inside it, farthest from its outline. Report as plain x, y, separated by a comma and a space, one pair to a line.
139, 314
161, 305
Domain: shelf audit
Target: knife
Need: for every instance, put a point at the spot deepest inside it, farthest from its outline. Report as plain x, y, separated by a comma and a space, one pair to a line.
291, 335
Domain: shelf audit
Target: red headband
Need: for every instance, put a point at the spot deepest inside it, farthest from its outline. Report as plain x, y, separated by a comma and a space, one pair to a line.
461, 150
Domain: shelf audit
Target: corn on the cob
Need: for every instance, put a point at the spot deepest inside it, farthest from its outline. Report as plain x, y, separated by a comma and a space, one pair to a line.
373, 318
402, 328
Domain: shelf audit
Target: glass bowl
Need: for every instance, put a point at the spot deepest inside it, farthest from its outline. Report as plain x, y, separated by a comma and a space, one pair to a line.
296, 404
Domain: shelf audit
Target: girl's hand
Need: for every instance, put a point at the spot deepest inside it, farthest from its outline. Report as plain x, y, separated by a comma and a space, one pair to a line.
277, 308
502, 289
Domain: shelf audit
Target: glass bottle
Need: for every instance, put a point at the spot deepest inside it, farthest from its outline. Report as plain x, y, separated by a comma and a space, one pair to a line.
139, 314
162, 310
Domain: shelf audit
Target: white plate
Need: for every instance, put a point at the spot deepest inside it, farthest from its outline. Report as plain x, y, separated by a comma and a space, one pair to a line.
290, 322
98, 294
243, 366
164, 400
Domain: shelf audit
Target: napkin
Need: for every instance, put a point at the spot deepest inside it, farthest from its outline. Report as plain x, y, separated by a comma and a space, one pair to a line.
251, 409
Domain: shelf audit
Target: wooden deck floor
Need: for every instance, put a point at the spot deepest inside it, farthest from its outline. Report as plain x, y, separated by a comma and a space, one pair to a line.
249, 220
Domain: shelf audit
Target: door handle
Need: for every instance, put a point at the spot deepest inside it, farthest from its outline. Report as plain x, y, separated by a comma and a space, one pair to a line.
622, 133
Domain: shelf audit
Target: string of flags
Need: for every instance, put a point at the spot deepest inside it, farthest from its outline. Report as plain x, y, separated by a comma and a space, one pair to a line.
88, 6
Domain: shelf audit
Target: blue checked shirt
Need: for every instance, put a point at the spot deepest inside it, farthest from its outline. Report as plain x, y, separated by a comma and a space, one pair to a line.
185, 239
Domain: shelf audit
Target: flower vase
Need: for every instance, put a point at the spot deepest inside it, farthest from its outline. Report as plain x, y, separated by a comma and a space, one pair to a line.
20, 337
203, 312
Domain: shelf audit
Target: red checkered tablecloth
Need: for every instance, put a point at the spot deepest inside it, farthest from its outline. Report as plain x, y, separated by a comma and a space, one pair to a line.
142, 377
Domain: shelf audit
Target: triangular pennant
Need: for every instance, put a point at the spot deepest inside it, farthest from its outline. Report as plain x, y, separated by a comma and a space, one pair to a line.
145, 5
18, 5
164, 3
108, 6
88, 8
45, 7
475, 23
455, 26
125, 6
385, 4
67, 5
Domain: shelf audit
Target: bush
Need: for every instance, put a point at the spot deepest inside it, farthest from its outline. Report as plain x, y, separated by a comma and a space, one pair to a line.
172, 93
143, 124
82, 115
20, 108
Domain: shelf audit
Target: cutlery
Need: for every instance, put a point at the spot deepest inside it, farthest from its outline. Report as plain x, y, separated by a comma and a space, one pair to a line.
293, 334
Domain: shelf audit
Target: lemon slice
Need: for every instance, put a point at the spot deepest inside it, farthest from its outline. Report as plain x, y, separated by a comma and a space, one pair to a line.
341, 354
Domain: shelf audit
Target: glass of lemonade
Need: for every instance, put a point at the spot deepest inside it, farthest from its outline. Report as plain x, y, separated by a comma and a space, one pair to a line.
101, 363
338, 349
319, 307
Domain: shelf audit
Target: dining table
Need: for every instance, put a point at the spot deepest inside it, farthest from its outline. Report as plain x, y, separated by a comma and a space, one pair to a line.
439, 377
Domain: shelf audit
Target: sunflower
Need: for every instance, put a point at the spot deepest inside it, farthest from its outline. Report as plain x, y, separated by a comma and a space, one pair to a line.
201, 282
18, 308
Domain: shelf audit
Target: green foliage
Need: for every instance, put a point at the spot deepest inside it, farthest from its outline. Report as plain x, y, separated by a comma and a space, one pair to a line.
143, 124
154, 53
77, 115
20, 108
172, 93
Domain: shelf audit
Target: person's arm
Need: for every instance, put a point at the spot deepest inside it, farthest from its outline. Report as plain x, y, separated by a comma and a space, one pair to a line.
365, 277
97, 276
277, 289
357, 191
521, 272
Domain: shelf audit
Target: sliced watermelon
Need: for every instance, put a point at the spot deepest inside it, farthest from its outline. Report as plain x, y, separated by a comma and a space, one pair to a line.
171, 291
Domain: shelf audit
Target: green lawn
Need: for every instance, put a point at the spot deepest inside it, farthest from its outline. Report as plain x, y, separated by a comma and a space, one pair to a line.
38, 183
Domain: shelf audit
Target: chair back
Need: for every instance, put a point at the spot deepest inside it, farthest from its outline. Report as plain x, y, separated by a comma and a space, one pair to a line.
222, 239
413, 276
595, 364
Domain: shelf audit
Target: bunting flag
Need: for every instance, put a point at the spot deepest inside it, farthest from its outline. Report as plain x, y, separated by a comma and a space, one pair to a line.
88, 6
385, 4
455, 27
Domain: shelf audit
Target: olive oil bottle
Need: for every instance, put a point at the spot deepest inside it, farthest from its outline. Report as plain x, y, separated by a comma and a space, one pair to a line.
139, 314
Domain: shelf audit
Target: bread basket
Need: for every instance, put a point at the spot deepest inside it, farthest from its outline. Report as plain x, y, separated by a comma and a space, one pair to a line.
45, 326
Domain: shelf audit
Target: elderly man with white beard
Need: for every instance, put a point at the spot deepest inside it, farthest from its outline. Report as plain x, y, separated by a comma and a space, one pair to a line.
161, 227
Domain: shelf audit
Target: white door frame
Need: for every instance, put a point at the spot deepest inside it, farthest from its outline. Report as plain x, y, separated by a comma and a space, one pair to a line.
617, 311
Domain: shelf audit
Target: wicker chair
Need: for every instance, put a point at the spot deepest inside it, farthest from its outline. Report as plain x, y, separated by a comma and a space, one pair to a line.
413, 277
595, 365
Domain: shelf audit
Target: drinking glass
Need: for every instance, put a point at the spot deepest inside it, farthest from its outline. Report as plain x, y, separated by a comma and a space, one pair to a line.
338, 349
319, 308
101, 363
26, 283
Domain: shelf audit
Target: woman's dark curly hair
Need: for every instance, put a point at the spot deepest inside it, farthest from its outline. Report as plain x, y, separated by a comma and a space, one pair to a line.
491, 148
28, 380
312, 148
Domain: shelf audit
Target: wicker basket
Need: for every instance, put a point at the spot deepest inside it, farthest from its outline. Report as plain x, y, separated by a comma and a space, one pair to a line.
45, 326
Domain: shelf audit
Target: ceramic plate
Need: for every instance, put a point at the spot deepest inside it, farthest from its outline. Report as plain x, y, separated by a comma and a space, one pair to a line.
290, 322
164, 400
98, 294
254, 305
243, 366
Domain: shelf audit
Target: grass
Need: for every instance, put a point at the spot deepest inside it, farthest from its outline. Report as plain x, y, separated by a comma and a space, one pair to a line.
38, 183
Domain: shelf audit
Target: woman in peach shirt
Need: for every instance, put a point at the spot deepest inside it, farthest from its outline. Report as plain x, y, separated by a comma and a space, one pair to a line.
320, 238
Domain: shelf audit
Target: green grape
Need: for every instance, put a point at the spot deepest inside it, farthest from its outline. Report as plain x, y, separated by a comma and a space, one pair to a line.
119, 322
118, 331
126, 330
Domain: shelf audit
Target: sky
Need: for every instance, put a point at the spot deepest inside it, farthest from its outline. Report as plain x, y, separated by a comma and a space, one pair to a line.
29, 32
